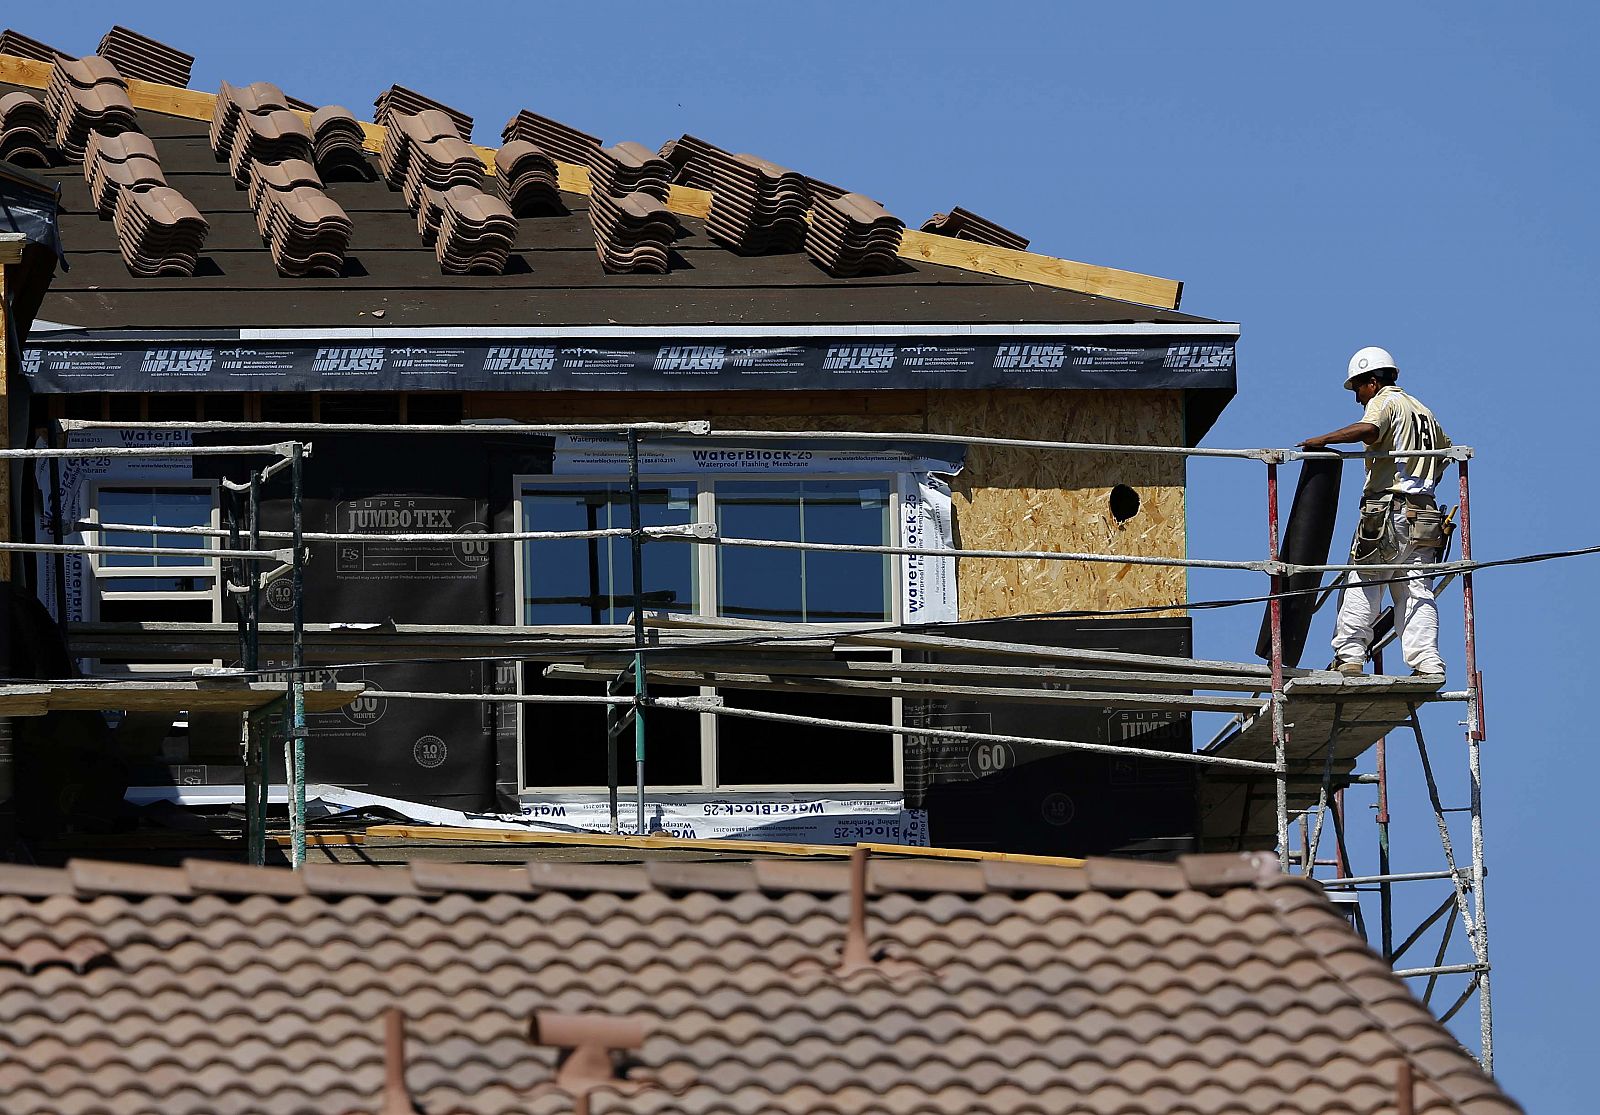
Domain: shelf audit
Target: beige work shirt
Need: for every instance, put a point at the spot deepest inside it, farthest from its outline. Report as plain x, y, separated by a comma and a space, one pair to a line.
1403, 424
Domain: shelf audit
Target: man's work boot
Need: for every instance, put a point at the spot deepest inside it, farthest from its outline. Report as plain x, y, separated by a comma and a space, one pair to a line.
1351, 669
1434, 670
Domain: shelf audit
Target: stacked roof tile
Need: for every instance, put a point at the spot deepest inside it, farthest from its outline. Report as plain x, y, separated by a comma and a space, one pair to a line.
337, 138
158, 231
757, 207
397, 98
18, 45
963, 224
87, 95
633, 229
233, 101
691, 168
424, 150
25, 130
1210, 986
853, 235
552, 137
441, 177
269, 150
126, 161
139, 56
526, 180
307, 231
476, 231
252, 123
267, 137
434, 160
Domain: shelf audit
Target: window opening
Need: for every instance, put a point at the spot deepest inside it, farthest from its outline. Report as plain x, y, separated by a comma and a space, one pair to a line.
589, 581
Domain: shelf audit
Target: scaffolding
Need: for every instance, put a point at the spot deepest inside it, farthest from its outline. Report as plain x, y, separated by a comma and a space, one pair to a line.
1301, 732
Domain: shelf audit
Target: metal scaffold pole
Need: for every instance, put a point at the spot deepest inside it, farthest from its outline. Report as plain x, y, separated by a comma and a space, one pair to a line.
1475, 738
1385, 888
295, 756
640, 682
255, 759
1280, 739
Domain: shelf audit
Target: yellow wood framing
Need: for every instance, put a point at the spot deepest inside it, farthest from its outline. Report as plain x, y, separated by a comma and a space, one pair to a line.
447, 834
945, 251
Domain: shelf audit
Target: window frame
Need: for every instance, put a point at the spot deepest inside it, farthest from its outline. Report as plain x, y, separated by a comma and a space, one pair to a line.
706, 582
103, 578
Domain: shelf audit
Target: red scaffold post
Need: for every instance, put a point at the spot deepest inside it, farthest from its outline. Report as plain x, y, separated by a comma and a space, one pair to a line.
1280, 738
1475, 737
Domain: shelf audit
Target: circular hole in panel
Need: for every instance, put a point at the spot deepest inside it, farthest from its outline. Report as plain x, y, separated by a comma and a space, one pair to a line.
1124, 503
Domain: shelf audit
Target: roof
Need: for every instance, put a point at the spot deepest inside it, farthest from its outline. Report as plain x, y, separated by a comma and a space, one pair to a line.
1210, 985
553, 275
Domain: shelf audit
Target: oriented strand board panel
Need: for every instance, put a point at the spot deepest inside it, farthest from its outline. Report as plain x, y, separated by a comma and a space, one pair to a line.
1005, 499
1031, 499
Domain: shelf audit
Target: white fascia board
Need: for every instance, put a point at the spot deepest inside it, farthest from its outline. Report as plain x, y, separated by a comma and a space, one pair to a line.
735, 332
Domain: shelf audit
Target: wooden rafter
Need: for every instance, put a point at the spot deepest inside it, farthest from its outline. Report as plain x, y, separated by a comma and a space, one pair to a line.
944, 251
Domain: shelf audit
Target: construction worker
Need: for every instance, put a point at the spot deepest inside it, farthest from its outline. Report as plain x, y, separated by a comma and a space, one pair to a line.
1400, 522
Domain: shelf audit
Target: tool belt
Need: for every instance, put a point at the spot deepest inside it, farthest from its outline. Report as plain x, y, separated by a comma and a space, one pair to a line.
1380, 537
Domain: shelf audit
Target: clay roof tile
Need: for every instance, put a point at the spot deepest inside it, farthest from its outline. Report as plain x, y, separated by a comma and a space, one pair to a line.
142, 57
105, 877
349, 878
963, 224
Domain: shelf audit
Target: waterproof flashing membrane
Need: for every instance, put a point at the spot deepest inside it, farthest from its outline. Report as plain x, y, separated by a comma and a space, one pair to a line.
1197, 359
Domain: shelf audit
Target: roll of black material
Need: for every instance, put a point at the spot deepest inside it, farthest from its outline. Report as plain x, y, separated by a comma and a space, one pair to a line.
1306, 539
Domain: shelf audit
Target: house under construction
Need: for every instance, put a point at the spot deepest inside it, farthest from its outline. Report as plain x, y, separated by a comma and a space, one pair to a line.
567, 486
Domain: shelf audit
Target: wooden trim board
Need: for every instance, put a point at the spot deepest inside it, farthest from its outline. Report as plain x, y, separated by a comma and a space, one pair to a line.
944, 251
39, 698
446, 833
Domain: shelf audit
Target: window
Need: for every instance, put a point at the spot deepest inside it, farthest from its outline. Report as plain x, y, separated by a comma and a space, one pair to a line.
179, 584
813, 586
589, 581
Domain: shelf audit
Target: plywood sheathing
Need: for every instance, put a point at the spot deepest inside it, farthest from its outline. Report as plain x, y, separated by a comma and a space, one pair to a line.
1005, 498
1032, 499
1110, 282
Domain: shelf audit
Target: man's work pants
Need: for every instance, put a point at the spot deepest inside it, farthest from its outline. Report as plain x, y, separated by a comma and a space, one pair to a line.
1416, 613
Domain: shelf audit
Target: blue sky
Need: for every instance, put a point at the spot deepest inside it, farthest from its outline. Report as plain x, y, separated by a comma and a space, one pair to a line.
1420, 176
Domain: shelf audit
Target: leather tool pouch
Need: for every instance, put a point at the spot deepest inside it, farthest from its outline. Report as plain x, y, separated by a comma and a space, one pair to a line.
1376, 542
1427, 527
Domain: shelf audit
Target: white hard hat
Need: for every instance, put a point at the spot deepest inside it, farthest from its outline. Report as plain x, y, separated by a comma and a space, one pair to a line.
1370, 359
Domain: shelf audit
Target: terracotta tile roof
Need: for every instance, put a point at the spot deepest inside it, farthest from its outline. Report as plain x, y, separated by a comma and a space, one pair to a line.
140, 56
742, 203
1215, 985
25, 130
963, 224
